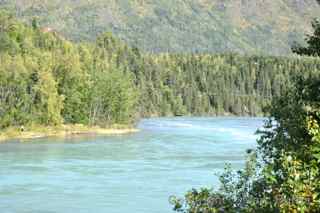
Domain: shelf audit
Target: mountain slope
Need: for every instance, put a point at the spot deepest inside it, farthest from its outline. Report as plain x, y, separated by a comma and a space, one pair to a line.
245, 26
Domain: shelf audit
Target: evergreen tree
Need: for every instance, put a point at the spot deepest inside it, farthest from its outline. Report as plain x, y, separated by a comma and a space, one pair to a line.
313, 42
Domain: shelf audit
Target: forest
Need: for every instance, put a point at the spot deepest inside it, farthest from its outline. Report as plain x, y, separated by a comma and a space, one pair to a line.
47, 80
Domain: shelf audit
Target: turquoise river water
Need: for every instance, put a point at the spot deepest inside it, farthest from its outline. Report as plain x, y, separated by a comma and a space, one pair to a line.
118, 174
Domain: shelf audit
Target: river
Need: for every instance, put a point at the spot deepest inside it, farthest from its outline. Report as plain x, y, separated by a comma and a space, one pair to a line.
117, 174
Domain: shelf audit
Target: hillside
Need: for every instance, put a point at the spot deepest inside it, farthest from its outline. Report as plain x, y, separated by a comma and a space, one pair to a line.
245, 26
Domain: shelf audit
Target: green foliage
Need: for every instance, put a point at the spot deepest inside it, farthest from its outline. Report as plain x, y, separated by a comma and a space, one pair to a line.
290, 147
47, 80
239, 192
112, 99
14, 101
48, 102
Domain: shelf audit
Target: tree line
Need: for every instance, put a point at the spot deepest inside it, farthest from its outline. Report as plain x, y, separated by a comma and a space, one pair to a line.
46, 79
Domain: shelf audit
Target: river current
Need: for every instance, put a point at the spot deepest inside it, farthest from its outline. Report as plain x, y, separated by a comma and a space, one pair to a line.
133, 173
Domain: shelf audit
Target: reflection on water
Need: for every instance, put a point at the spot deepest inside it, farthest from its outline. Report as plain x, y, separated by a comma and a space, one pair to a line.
132, 173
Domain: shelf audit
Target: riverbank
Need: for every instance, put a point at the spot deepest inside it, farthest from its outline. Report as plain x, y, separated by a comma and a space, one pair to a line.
15, 133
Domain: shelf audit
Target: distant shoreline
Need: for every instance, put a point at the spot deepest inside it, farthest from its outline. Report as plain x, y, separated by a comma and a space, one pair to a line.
14, 133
